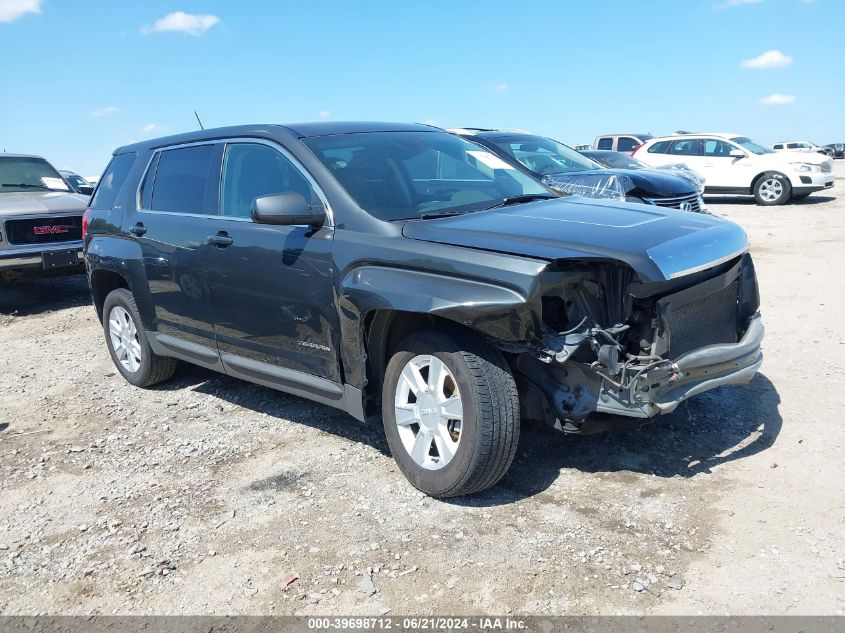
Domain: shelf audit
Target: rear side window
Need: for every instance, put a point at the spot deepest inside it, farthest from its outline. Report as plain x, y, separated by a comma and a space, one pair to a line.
660, 147
626, 144
112, 181
686, 147
605, 143
778, 145
183, 181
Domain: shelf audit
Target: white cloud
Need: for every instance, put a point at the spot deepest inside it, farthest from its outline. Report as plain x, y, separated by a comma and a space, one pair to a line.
11, 10
769, 59
181, 22
325, 114
502, 87
103, 112
737, 3
776, 99
150, 127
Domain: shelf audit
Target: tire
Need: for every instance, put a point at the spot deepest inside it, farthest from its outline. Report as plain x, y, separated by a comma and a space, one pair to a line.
121, 322
772, 188
477, 383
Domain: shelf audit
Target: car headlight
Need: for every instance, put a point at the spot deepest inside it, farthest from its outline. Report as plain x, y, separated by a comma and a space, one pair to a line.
805, 167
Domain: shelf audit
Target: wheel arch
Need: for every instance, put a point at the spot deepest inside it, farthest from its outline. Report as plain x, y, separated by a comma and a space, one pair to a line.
104, 281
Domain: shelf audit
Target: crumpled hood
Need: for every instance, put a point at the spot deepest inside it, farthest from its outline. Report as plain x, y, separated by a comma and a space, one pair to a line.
33, 202
657, 243
640, 182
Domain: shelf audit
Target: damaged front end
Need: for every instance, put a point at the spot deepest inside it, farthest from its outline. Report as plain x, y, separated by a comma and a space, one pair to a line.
612, 343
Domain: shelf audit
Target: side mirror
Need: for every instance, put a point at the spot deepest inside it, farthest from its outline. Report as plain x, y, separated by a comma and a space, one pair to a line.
287, 209
737, 153
85, 190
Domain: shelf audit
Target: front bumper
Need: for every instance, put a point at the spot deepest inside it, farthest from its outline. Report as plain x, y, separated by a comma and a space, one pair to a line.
32, 258
663, 389
809, 182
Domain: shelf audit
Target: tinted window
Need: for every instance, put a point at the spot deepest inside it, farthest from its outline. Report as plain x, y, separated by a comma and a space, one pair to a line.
660, 147
182, 179
544, 156
250, 171
110, 184
792, 145
605, 143
685, 147
715, 147
778, 145
626, 144
401, 175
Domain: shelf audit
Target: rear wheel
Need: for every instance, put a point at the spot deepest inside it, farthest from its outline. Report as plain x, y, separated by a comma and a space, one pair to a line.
772, 188
128, 345
451, 413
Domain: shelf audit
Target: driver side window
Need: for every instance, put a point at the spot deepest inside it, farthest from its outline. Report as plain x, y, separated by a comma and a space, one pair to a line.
252, 170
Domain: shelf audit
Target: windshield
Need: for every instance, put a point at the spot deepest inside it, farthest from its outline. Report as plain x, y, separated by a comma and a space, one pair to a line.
403, 175
751, 146
29, 174
77, 181
543, 156
618, 160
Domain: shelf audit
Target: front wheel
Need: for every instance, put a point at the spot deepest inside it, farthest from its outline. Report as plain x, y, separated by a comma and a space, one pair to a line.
451, 413
772, 189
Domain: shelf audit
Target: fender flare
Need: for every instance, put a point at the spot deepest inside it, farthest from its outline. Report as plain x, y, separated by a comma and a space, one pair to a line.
123, 257
494, 311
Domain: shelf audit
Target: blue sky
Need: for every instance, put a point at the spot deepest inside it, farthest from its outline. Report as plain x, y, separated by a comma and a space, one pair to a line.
81, 77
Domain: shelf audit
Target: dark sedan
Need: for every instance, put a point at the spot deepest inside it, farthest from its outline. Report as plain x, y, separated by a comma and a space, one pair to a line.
837, 150
566, 171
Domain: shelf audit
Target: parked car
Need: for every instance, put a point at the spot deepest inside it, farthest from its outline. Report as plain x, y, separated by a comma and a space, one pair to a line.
581, 147
734, 164
77, 182
621, 142
40, 220
401, 272
568, 172
837, 149
800, 146
620, 160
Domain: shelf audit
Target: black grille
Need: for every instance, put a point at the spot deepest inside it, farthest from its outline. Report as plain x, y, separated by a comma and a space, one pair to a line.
705, 321
676, 202
46, 230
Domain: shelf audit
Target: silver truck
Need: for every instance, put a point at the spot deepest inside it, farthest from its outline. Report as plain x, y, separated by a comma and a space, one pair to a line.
40, 220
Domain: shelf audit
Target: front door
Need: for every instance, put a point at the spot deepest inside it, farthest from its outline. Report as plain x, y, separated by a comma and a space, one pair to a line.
719, 168
271, 287
177, 197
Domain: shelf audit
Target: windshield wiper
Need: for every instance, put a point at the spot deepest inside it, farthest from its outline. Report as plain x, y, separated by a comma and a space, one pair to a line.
27, 185
520, 199
439, 214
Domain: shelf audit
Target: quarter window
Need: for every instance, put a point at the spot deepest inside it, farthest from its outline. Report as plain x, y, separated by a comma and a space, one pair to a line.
110, 184
660, 147
251, 170
605, 143
182, 180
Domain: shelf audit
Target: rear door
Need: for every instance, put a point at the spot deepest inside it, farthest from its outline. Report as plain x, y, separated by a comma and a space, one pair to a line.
177, 204
271, 287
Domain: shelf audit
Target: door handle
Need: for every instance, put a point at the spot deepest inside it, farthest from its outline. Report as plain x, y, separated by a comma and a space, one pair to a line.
139, 229
221, 240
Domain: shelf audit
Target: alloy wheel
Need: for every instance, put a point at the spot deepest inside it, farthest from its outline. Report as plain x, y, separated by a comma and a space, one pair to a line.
771, 189
124, 339
428, 412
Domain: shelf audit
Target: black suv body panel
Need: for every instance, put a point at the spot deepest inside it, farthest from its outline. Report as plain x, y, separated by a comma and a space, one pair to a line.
314, 312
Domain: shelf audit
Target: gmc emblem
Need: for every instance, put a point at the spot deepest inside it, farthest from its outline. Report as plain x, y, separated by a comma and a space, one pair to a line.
45, 230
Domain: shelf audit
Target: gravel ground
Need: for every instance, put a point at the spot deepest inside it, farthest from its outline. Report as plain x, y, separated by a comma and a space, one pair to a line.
209, 495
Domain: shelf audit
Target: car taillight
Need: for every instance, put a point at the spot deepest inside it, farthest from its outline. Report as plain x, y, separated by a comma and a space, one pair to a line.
634, 151
86, 218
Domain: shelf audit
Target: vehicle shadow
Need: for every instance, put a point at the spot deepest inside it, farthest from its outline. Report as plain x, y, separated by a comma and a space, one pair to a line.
24, 298
715, 428
750, 201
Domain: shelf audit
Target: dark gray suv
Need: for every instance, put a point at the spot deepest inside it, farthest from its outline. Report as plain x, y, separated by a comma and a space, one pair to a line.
402, 273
